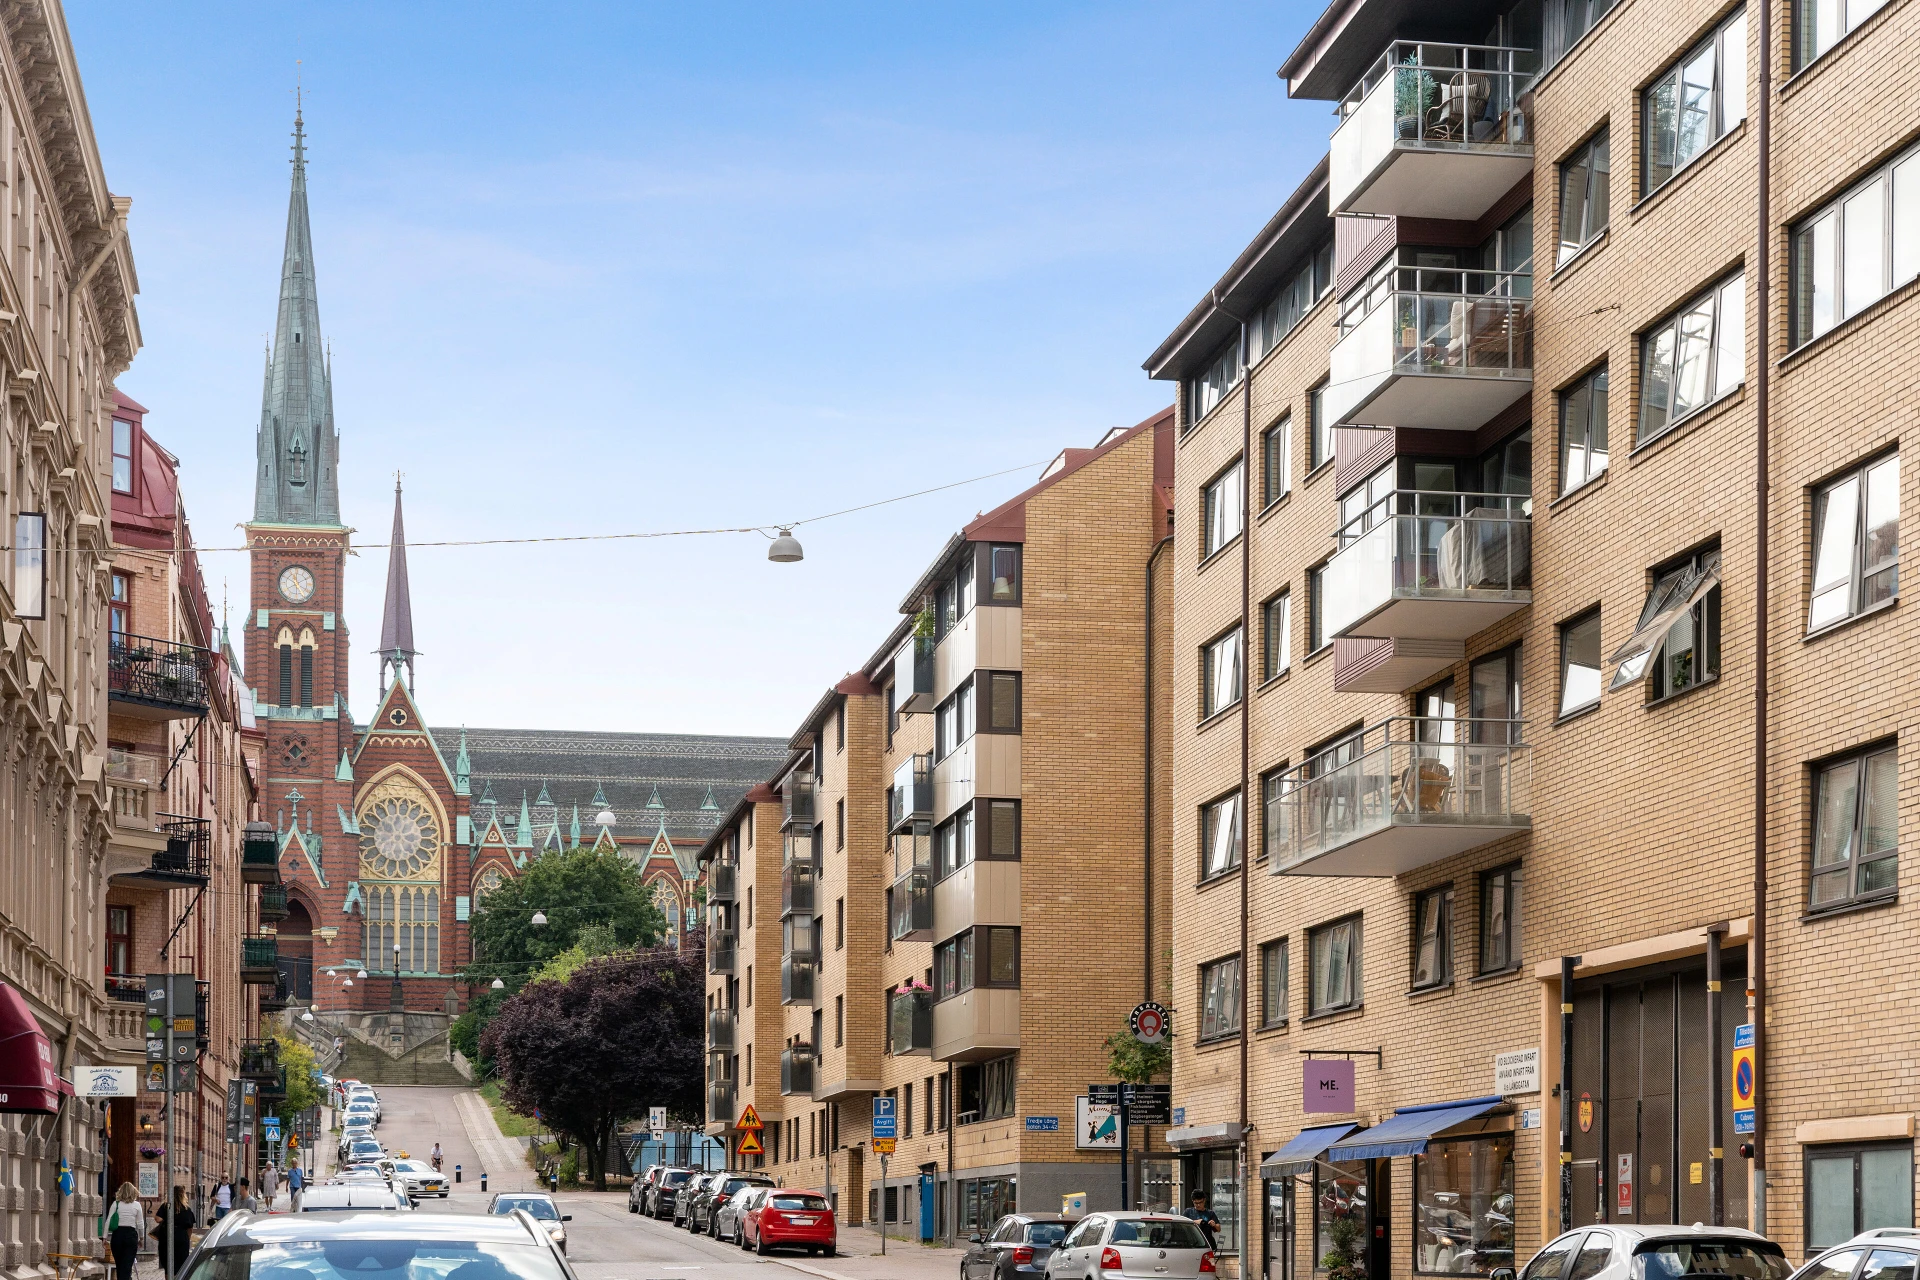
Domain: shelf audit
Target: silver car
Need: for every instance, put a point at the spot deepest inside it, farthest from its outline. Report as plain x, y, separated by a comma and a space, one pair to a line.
1621, 1252
1882, 1253
727, 1218
347, 1197
1132, 1244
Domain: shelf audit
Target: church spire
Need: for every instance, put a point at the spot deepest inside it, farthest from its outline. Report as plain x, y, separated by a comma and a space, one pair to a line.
396, 624
297, 480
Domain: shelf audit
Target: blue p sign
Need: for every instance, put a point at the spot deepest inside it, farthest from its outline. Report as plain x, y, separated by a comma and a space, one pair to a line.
884, 1125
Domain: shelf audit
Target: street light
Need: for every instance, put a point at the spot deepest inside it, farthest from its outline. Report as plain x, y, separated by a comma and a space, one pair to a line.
785, 548
347, 983
539, 917
499, 985
307, 1016
604, 818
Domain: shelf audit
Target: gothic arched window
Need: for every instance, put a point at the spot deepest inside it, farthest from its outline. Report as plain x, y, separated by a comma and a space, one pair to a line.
306, 667
284, 643
297, 462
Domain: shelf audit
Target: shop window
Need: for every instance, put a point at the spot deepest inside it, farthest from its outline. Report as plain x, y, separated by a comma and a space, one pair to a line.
1463, 1207
1340, 1215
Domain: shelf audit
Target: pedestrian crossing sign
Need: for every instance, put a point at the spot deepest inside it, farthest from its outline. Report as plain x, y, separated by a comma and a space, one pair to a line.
749, 1121
750, 1144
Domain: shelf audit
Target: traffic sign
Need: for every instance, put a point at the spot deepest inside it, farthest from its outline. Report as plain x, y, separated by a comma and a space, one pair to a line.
883, 1146
1148, 1103
749, 1121
1104, 1095
1150, 1022
750, 1144
657, 1122
1043, 1124
270, 1128
884, 1123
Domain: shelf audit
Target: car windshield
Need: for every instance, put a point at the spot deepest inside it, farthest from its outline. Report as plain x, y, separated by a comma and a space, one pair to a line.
1046, 1233
803, 1203
1743, 1259
382, 1259
539, 1206
1158, 1233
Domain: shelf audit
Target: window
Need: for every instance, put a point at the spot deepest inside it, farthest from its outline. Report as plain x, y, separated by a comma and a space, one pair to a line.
953, 599
119, 939
1676, 643
839, 924
1320, 442
1465, 1184
1433, 938
1002, 834
1003, 574
1818, 25
1333, 961
1220, 674
1220, 999
122, 456
306, 668
981, 1202
1696, 102
1290, 305
1500, 919
953, 722
893, 714
984, 956
1316, 608
1220, 841
1583, 431
1693, 357
1276, 621
1856, 543
1493, 697
953, 843
1580, 663
1205, 392
1855, 828
1002, 706
1276, 462
1273, 983
1274, 828
30, 565
839, 1020
119, 609
1583, 195
1224, 507
1855, 1189
1855, 251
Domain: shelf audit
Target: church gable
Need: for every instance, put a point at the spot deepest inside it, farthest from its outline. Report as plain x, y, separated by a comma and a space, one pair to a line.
397, 732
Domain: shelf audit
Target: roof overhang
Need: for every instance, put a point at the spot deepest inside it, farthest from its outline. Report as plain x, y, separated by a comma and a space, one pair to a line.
1349, 34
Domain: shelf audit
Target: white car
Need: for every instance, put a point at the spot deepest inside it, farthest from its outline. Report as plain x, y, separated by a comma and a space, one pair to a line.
364, 1095
416, 1177
361, 1108
1620, 1252
1134, 1244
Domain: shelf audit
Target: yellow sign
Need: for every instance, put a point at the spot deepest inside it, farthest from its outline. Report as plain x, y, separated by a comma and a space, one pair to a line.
749, 1121
1694, 1172
883, 1146
750, 1144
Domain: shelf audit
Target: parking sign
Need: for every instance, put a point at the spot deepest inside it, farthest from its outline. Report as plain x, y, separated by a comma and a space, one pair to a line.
884, 1125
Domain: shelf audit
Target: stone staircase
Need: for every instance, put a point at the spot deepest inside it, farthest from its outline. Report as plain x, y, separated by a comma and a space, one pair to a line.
425, 1064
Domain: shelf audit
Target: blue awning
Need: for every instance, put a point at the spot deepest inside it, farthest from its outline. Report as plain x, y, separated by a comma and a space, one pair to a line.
1298, 1155
1406, 1132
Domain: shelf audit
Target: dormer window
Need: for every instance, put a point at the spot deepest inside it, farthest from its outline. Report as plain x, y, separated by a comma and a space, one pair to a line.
297, 464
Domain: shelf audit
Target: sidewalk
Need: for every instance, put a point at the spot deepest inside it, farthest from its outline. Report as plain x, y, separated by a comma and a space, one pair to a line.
502, 1157
860, 1259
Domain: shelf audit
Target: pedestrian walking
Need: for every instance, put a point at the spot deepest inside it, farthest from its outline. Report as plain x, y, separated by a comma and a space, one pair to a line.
269, 1185
296, 1183
174, 1229
222, 1199
244, 1198
126, 1223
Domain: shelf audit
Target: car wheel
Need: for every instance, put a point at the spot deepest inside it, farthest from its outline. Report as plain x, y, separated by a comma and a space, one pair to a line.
826, 1251
760, 1247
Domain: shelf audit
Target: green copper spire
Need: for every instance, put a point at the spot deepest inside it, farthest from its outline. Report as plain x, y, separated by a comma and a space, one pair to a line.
297, 480
574, 831
462, 766
523, 837
345, 772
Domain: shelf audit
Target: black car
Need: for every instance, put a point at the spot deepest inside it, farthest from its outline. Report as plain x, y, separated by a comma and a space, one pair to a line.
662, 1190
689, 1191
707, 1208
1019, 1245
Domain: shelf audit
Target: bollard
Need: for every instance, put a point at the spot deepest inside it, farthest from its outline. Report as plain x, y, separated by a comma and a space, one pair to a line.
456, 1173
553, 1181
483, 1179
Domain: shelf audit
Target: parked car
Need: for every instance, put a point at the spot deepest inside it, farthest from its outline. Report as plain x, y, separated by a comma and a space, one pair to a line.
689, 1190
637, 1189
706, 1211
1140, 1244
349, 1197
537, 1205
1018, 1245
660, 1196
727, 1219
787, 1218
696, 1208
1617, 1252
360, 1150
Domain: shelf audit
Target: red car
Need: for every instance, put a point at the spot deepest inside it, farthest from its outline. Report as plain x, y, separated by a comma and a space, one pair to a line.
782, 1217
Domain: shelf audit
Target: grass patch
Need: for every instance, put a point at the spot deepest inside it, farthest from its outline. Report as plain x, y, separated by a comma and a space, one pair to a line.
511, 1122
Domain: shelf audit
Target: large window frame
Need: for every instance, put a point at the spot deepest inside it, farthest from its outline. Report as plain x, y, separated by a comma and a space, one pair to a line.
1502, 901
1317, 638
1223, 677
1693, 358
1854, 842
30, 565
1583, 431
1856, 543
1223, 504
1335, 973
984, 957
1585, 188
1274, 975
1581, 673
1819, 25
999, 707
1276, 634
1276, 461
1431, 963
1889, 1210
1857, 248
1222, 837
1220, 999
1213, 384
1485, 1164
1697, 101
1675, 646
954, 721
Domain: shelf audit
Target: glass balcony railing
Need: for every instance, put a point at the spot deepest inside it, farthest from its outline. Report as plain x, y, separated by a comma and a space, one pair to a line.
157, 679
722, 881
910, 897
720, 953
796, 800
913, 677
132, 768
720, 1102
796, 980
1401, 794
720, 1024
1445, 348
799, 889
912, 796
910, 1021
1421, 564
796, 1070
1434, 130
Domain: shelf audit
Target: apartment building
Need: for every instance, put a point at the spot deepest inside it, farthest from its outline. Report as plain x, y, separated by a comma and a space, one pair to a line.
1477, 605
181, 750
960, 853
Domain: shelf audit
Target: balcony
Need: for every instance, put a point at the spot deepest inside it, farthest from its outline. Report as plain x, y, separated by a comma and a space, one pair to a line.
1433, 131
133, 781
151, 679
910, 1022
273, 903
127, 988
276, 997
719, 953
274, 1087
976, 1024
796, 980
1402, 794
1442, 348
1421, 565
720, 1102
910, 900
912, 797
187, 860
259, 855
796, 800
722, 881
796, 1070
913, 677
720, 1024
259, 960
799, 889
259, 1058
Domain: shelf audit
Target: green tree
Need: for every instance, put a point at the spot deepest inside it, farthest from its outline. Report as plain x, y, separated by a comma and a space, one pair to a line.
1136, 1063
575, 890
596, 940
303, 1090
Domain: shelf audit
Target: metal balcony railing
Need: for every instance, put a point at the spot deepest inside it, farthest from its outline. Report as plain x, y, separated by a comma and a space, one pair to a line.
912, 795
720, 1026
259, 854
1448, 95
913, 677
274, 1084
796, 980
161, 676
910, 1022
720, 953
1420, 546
796, 1070
276, 997
259, 1058
796, 800
259, 959
129, 988
1401, 794
799, 889
722, 881
188, 858
273, 903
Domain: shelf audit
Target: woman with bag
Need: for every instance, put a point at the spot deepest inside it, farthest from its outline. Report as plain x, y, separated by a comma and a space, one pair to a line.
126, 1223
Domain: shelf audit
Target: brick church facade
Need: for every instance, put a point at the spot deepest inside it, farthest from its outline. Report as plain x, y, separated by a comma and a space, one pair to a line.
388, 833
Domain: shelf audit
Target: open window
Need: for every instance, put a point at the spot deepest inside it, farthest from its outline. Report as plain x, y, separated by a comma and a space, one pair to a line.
1676, 644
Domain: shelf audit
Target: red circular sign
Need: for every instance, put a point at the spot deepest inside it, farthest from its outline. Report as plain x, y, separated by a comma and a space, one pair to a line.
1149, 1022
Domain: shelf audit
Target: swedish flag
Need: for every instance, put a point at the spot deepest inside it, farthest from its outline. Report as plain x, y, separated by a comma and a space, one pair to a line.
65, 1180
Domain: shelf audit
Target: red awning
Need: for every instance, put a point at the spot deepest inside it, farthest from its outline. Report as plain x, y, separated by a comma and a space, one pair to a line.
28, 1082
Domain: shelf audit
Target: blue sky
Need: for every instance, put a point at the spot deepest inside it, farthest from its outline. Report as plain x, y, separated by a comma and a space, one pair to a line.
603, 268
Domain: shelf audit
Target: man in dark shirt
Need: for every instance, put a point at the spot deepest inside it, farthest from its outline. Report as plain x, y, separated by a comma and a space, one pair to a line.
1209, 1220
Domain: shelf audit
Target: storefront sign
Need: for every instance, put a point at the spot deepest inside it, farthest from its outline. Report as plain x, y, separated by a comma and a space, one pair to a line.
1516, 1071
106, 1082
1585, 1113
1096, 1125
1326, 1086
1623, 1185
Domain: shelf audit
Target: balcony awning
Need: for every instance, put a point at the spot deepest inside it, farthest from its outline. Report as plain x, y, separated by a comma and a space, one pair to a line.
1298, 1155
28, 1083
1670, 597
1405, 1133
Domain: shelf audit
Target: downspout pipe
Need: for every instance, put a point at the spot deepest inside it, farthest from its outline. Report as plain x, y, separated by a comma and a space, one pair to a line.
1762, 484
1146, 807
1567, 964
1246, 752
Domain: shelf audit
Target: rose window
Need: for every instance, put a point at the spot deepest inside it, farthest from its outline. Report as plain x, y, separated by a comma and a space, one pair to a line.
398, 840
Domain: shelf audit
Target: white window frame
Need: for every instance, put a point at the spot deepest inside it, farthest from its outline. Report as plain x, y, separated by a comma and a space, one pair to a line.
1223, 505
1222, 836
1701, 347
1586, 398
1857, 248
1223, 677
1593, 160
1846, 513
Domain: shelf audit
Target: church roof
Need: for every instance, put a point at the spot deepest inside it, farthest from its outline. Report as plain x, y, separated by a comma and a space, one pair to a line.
629, 770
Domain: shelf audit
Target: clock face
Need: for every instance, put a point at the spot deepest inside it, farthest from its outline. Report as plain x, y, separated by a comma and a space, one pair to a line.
296, 584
